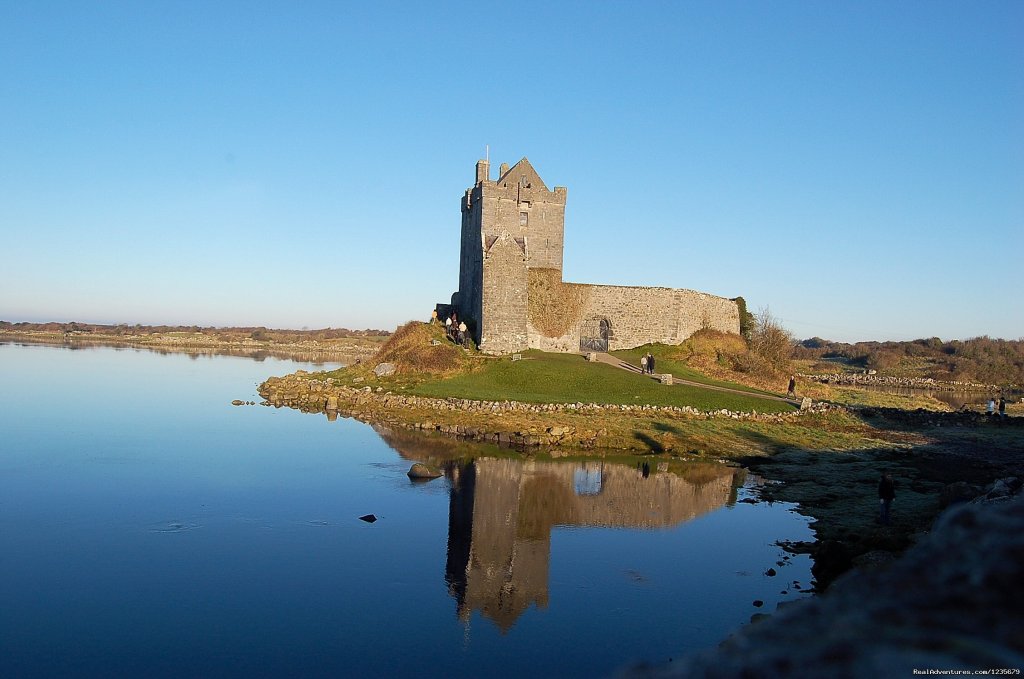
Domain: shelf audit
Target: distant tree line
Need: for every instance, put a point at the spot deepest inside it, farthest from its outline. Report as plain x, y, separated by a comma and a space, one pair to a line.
980, 359
257, 333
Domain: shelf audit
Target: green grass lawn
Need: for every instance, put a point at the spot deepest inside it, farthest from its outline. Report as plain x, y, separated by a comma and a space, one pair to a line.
679, 369
568, 378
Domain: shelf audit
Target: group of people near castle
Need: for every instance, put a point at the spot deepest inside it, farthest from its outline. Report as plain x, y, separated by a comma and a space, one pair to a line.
647, 364
454, 329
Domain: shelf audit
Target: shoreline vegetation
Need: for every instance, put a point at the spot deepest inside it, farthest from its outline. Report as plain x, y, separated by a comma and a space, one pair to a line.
826, 458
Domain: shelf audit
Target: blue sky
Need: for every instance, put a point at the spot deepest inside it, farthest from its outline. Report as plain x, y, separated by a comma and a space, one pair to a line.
858, 168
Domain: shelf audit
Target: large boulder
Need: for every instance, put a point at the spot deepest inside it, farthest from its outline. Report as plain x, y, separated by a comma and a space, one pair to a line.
422, 471
956, 492
384, 369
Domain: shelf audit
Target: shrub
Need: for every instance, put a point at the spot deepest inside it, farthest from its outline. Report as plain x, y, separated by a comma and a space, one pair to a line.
747, 320
752, 364
772, 343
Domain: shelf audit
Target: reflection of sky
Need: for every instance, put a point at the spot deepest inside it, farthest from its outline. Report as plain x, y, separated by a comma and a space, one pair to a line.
587, 480
148, 527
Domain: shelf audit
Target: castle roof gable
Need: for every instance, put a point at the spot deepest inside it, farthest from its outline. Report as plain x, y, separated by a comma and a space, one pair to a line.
524, 173
505, 240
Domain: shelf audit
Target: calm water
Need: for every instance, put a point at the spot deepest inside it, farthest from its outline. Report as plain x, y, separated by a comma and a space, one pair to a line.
149, 528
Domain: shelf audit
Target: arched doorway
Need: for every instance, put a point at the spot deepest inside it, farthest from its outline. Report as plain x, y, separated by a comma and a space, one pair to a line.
595, 334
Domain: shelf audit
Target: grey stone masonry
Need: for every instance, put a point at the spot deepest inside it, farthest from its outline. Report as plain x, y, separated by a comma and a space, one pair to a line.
515, 224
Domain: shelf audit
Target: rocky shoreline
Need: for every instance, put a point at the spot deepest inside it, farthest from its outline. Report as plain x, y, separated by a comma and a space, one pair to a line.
304, 392
951, 602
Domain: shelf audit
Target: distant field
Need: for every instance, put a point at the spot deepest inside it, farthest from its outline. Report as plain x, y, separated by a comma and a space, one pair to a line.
568, 378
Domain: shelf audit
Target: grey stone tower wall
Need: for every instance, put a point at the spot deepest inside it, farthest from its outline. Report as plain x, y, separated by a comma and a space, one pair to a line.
520, 196
468, 301
503, 329
515, 208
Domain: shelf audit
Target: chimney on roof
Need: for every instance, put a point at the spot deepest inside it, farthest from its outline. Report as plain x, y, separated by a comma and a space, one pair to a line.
503, 170
483, 171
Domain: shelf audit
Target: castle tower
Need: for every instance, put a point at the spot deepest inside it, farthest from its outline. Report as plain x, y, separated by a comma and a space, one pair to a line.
512, 239
509, 225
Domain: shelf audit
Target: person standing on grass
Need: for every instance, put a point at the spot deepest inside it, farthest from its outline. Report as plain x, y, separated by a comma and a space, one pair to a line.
990, 409
650, 363
1002, 407
791, 392
886, 494
643, 365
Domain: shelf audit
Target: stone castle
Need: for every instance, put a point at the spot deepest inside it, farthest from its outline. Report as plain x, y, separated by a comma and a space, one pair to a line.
511, 294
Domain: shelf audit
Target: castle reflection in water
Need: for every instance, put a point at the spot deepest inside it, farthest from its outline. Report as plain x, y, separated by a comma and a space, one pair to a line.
502, 511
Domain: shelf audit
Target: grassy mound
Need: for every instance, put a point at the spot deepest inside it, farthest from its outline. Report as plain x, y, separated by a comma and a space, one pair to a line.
708, 357
727, 357
422, 348
710, 350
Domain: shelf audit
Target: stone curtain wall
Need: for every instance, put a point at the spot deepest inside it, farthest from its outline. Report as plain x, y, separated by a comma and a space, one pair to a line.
641, 315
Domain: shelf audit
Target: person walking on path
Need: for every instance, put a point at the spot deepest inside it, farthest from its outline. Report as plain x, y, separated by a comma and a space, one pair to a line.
1002, 407
462, 333
886, 494
643, 365
650, 363
791, 391
991, 408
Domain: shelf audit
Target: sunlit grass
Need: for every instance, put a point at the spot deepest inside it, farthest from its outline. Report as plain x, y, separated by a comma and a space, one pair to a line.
567, 378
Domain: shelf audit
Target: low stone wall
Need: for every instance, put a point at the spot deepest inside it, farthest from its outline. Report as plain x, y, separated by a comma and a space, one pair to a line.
856, 379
